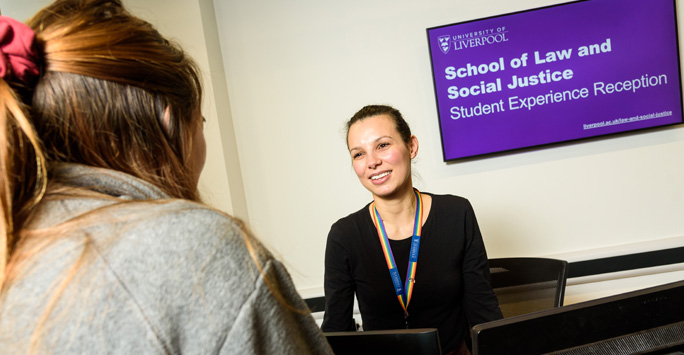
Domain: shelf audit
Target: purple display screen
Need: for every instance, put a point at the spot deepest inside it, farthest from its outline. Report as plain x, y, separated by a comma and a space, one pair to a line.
555, 74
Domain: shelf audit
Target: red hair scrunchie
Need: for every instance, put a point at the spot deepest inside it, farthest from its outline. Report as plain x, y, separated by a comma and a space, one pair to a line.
19, 59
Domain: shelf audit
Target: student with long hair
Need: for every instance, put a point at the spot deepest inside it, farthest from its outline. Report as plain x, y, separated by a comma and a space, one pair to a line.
413, 259
105, 246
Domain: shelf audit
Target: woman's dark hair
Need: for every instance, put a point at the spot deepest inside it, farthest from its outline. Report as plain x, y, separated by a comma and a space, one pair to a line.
375, 110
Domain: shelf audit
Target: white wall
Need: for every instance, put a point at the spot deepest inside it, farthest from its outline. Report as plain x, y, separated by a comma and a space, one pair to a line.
296, 70
283, 77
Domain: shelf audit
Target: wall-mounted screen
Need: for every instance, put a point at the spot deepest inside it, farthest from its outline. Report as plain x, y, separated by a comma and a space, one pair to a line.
555, 74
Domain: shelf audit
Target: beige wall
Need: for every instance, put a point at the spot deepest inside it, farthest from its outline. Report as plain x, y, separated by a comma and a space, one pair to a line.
296, 70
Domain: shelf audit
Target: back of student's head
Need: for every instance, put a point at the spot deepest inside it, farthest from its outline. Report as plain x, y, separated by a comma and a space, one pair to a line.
108, 79
109, 91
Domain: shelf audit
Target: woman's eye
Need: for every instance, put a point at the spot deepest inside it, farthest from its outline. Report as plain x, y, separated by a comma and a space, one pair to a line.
356, 155
383, 145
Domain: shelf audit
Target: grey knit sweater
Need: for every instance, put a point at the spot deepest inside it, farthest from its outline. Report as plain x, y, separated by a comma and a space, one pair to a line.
160, 276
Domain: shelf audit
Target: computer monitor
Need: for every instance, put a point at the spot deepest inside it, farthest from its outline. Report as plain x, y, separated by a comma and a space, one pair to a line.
647, 321
398, 341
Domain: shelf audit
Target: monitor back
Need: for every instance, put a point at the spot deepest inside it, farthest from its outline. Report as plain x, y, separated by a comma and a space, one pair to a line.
397, 341
642, 321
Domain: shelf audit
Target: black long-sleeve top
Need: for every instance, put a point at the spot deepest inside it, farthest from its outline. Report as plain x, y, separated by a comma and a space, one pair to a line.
452, 290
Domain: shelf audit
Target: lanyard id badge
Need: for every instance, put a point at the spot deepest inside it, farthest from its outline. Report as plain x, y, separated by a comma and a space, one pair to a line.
405, 291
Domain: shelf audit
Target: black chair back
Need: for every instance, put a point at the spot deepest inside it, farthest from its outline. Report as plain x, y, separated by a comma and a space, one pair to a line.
526, 285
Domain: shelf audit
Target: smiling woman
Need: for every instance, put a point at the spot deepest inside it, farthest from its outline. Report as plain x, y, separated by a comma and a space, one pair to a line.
404, 238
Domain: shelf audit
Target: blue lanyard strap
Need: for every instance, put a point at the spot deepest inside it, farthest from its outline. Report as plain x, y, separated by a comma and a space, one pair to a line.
403, 292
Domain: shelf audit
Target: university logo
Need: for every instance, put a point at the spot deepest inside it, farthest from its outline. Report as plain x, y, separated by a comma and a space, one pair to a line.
483, 37
444, 43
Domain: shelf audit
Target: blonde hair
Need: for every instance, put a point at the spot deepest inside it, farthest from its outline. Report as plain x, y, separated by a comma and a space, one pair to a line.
23, 178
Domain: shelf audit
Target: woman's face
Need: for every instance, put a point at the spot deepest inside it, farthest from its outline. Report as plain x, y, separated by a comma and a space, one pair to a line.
381, 159
198, 153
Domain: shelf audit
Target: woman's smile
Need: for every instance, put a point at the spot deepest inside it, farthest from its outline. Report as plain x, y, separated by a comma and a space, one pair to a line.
380, 178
